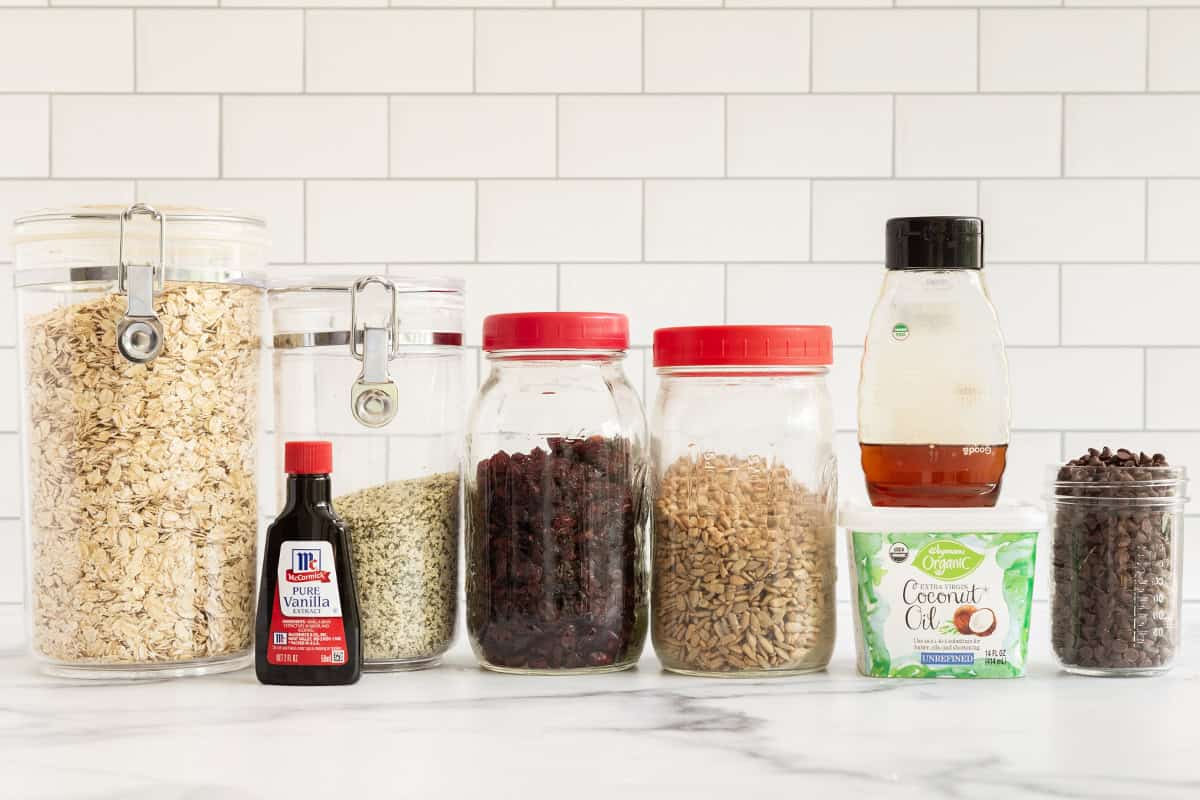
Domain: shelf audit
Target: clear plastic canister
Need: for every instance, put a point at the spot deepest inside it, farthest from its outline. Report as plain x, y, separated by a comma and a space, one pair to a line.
1116, 567
745, 499
141, 355
556, 498
375, 365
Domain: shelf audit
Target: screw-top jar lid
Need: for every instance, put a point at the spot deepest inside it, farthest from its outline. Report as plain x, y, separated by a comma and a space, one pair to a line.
308, 458
934, 243
744, 346
556, 330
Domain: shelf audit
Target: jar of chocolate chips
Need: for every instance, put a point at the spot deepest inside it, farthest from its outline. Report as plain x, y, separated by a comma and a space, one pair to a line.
556, 498
1117, 520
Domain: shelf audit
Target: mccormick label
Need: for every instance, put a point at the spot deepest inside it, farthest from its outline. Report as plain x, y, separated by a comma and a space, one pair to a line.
306, 625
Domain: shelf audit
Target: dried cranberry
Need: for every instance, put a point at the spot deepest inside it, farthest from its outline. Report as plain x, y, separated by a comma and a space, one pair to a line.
554, 555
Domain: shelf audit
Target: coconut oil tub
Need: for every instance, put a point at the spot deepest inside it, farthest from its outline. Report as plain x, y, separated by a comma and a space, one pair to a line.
942, 592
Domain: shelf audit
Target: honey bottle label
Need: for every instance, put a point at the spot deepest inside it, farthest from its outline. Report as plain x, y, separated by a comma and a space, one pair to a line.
306, 620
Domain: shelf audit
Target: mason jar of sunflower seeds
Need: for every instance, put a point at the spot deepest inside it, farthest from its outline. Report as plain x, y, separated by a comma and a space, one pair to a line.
140, 351
375, 365
745, 492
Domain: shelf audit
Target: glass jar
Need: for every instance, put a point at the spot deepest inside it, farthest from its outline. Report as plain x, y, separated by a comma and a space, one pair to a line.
375, 366
141, 357
556, 491
1116, 567
933, 399
745, 496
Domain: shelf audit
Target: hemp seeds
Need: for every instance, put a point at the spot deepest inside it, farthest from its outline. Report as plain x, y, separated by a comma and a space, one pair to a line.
404, 545
743, 568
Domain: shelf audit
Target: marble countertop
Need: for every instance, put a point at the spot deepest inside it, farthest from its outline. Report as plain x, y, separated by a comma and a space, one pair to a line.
457, 731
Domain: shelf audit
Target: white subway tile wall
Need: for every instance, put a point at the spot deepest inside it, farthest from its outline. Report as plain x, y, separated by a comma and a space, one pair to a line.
683, 161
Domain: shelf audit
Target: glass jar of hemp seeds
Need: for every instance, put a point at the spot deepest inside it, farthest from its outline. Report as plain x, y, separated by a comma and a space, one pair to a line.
375, 366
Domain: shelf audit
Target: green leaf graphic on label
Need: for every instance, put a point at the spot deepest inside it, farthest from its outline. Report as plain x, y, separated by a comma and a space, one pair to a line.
900, 332
947, 560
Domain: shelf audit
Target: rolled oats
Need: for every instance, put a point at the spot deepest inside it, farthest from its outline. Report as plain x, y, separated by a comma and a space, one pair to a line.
142, 480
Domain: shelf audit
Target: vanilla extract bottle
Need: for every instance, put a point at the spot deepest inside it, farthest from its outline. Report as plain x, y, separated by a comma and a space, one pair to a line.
307, 628
933, 398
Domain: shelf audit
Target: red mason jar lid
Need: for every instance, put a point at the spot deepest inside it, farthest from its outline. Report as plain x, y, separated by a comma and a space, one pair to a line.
308, 458
744, 346
556, 330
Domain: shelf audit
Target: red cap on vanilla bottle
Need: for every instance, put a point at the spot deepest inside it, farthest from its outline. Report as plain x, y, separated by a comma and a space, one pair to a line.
308, 458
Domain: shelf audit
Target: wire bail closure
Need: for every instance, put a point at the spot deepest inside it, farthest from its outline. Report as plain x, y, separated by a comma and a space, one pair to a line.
139, 331
374, 396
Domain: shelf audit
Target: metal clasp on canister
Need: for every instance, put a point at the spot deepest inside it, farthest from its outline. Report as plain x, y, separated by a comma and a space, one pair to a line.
374, 396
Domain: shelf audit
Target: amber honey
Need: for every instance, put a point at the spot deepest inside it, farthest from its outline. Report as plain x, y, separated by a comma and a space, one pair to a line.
939, 475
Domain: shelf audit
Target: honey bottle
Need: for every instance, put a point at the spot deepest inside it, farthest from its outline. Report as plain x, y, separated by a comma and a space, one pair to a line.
933, 397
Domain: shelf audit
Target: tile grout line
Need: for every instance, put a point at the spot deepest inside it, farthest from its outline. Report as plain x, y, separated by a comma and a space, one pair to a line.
133, 24
725, 134
1147, 66
600, 6
643, 219
895, 144
220, 136
811, 218
978, 50
1146, 223
1062, 136
642, 49
1145, 388
812, 59
474, 50
1060, 304
50, 136
303, 50
725, 297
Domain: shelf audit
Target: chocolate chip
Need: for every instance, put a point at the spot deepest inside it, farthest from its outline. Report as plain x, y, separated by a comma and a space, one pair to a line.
1115, 570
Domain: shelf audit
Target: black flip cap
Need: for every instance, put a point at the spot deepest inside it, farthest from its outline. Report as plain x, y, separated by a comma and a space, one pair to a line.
935, 243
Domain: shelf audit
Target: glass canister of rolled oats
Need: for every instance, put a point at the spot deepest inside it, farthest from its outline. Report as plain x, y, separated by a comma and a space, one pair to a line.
374, 364
745, 492
140, 349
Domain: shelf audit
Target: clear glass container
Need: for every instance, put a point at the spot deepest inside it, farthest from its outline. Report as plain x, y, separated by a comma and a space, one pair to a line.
1116, 567
933, 397
375, 366
556, 498
745, 497
141, 354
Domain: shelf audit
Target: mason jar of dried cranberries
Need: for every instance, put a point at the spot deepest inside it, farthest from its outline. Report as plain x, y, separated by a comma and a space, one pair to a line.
556, 503
745, 493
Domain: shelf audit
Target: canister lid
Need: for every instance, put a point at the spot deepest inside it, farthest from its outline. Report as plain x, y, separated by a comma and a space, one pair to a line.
317, 309
556, 330
744, 346
84, 244
934, 243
